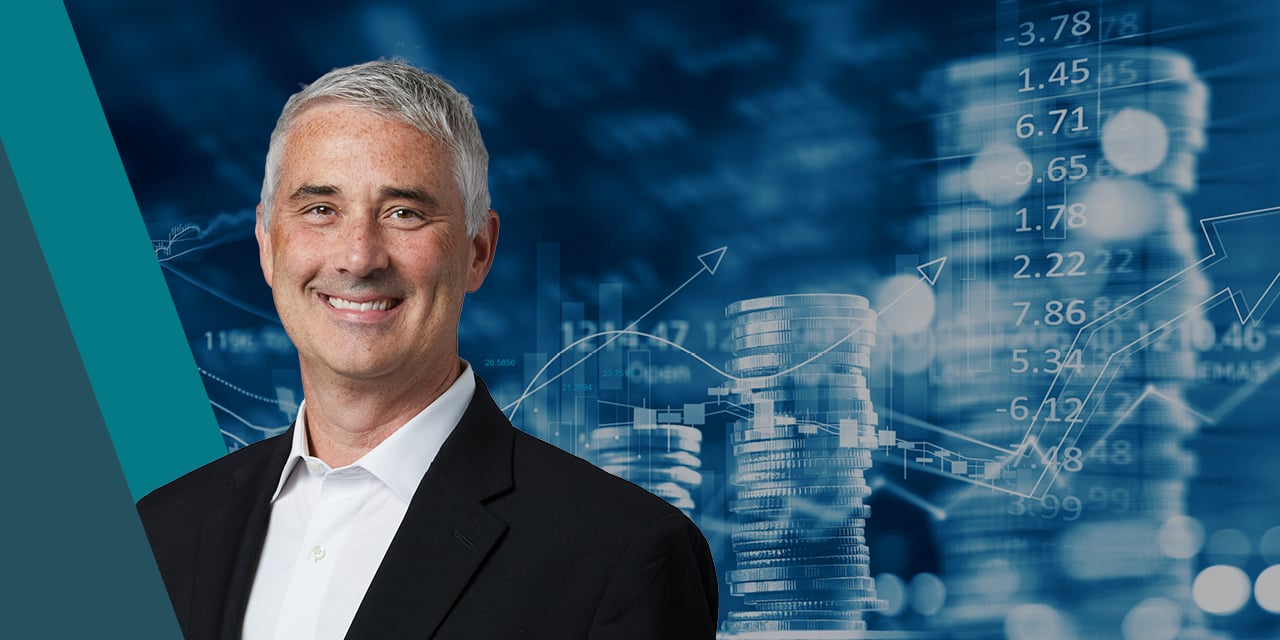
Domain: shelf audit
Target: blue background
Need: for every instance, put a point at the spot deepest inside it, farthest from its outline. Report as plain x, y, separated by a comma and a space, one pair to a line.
626, 140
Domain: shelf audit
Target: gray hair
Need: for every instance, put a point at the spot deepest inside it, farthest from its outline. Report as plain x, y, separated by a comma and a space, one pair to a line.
402, 92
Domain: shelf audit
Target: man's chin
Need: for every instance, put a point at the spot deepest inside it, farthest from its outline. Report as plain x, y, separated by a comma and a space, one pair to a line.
346, 367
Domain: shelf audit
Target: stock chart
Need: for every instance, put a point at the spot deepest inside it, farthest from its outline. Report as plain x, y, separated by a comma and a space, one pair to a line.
941, 320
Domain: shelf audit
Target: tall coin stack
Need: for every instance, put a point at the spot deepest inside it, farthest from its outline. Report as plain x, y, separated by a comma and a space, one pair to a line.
662, 458
1060, 194
800, 365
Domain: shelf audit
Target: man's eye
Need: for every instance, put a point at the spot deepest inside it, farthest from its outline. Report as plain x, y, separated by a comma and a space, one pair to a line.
404, 214
321, 210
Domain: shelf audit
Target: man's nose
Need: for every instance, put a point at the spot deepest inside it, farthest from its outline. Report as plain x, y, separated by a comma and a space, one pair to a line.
364, 248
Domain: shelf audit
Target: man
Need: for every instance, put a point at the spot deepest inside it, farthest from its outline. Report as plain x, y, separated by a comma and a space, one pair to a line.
402, 504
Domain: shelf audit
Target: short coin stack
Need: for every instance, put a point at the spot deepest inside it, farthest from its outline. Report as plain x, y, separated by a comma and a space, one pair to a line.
661, 458
799, 540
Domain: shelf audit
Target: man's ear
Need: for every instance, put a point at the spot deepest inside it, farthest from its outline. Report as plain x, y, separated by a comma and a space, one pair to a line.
264, 245
483, 246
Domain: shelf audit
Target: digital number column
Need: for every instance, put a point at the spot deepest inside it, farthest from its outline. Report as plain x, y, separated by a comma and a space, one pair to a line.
1064, 160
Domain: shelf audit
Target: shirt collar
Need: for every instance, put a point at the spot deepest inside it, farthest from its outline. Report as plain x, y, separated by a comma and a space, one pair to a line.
403, 458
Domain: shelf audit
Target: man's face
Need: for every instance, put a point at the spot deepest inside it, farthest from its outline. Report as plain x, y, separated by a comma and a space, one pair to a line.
367, 253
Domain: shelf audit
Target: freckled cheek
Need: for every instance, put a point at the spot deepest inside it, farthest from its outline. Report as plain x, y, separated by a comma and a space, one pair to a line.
296, 260
433, 260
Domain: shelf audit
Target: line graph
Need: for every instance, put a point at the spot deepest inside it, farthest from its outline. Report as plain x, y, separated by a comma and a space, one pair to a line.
710, 261
1182, 283
929, 273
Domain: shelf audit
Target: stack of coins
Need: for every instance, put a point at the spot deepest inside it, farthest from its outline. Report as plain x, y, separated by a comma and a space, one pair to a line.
799, 538
663, 459
1061, 197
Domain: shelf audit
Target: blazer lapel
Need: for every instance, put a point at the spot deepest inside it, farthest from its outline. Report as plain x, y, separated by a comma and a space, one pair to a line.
447, 531
231, 538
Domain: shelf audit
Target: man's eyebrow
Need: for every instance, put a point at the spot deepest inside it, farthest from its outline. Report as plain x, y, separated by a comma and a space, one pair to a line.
313, 190
415, 194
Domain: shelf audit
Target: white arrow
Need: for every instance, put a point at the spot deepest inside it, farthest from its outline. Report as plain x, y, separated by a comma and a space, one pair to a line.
1063, 389
710, 262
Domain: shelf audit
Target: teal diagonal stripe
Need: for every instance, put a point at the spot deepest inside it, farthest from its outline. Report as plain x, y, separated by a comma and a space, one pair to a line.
99, 255
77, 564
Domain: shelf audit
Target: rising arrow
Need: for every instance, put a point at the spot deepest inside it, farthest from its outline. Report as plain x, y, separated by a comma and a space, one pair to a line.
931, 270
710, 261
1260, 226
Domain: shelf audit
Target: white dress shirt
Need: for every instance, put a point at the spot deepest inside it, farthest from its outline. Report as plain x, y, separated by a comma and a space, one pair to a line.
329, 528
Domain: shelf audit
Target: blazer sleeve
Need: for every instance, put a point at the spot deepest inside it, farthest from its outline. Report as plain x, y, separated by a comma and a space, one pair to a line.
664, 587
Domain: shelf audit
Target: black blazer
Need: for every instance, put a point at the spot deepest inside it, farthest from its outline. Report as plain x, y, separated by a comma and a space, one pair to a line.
506, 536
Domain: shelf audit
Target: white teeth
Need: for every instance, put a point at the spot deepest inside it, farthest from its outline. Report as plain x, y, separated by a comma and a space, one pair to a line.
376, 305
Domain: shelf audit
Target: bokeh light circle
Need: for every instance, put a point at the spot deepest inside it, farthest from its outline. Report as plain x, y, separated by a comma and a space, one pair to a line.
1228, 546
1221, 589
891, 589
1135, 141
1152, 619
993, 175
1266, 589
906, 305
1035, 622
1181, 537
928, 594
1269, 545
1115, 209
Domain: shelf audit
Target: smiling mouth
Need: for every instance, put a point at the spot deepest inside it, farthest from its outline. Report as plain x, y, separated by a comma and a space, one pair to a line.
382, 304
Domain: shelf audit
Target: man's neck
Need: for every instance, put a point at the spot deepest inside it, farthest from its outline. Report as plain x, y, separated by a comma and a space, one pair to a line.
346, 420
